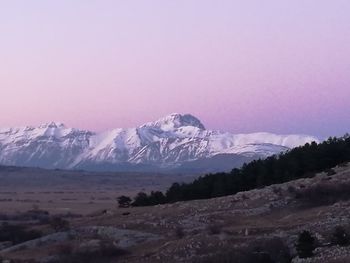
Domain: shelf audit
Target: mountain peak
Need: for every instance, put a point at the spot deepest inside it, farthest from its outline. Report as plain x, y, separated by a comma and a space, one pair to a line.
52, 125
176, 120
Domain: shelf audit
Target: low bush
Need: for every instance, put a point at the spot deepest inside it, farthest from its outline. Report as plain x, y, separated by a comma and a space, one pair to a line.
124, 201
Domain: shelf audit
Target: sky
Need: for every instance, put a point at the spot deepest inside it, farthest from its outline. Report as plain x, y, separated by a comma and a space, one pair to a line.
241, 66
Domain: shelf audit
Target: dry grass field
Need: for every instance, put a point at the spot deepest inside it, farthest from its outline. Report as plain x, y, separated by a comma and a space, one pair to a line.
227, 229
78, 192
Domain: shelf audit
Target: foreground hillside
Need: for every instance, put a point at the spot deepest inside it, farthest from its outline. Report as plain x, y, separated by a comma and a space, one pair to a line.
251, 226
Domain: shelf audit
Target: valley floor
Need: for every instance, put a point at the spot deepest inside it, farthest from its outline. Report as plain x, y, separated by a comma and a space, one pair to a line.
77, 192
215, 230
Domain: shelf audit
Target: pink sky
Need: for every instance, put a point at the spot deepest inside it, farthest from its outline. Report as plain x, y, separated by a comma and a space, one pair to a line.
240, 66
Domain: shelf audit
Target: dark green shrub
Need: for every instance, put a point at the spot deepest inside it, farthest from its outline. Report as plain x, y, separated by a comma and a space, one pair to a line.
124, 201
141, 199
305, 245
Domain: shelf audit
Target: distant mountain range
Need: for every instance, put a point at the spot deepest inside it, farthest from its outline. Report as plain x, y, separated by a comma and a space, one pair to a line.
176, 143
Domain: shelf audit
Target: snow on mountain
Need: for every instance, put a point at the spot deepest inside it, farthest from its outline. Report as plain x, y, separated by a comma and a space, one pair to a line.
175, 121
169, 142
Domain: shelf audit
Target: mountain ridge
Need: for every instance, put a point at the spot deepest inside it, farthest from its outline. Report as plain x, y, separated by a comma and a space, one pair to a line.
167, 143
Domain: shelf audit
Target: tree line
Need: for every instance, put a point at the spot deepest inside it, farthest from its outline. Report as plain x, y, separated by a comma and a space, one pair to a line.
301, 162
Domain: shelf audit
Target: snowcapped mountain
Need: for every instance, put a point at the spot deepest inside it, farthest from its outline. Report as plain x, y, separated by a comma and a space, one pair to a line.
174, 142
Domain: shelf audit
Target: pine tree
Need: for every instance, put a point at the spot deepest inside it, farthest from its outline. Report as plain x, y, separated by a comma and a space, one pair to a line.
141, 199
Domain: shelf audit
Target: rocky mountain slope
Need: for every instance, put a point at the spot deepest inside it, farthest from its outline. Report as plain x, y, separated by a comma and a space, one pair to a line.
176, 142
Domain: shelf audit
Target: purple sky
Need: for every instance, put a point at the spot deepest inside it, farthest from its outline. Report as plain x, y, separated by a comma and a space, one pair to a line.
240, 66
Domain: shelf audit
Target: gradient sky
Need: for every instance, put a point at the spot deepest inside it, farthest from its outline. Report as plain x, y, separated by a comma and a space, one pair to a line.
242, 66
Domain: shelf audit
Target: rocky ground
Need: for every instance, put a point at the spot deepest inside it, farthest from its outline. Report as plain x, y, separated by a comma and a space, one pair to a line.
216, 230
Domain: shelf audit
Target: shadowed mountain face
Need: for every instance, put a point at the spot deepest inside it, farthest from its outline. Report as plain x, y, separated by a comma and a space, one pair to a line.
174, 143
